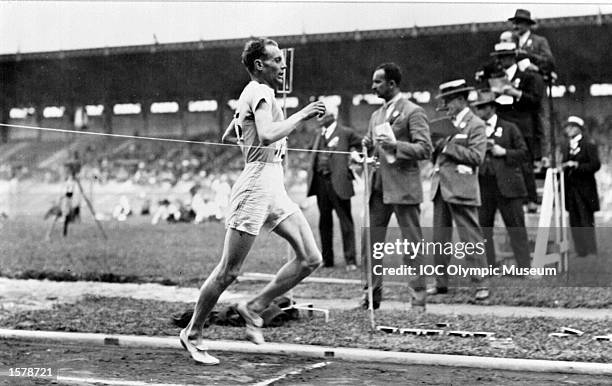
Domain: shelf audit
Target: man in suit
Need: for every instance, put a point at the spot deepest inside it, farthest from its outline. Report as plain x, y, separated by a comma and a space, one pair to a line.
520, 103
534, 47
398, 135
580, 162
501, 180
454, 185
330, 179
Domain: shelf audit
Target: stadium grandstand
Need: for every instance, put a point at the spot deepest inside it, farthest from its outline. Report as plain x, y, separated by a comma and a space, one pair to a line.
171, 91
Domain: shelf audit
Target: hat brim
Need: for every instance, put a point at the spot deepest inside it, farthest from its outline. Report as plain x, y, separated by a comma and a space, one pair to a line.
503, 53
457, 91
530, 21
483, 103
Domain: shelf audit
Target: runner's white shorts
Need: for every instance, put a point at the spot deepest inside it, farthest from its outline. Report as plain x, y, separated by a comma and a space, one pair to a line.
259, 199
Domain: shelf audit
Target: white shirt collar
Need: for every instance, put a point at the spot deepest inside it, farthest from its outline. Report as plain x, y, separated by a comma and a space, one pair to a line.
573, 142
460, 116
511, 71
523, 38
491, 123
328, 131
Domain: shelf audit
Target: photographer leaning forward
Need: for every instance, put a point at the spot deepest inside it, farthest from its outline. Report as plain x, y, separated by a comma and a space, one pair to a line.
454, 184
398, 135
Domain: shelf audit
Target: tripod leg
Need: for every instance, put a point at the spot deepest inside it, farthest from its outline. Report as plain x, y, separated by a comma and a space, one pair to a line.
66, 222
48, 235
91, 209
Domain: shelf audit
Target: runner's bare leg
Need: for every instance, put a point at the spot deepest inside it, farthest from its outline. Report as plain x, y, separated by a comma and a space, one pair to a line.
236, 247
296, 230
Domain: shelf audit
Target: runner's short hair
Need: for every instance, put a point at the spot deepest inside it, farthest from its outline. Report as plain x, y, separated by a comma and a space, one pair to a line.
255, 49
392, 72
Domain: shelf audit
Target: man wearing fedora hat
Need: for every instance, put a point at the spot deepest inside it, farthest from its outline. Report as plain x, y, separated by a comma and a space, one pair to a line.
454, 185
535, 47
520, 103
580, 162
501, 180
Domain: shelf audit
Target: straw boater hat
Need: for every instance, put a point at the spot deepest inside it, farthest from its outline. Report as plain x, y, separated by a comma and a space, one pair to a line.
485, 97
504, 48
574, 121
522, 15
452, 88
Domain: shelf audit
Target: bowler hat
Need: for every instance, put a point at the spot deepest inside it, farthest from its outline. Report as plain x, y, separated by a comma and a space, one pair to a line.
485, 97
522, 15
458, 86
504, 48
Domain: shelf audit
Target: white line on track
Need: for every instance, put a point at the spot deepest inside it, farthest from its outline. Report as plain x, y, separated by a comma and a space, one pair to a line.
117, 382
292, 372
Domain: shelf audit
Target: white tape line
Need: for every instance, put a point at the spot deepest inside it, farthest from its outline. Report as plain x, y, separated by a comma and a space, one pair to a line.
311, 351
117, 382
127, 136
292, 372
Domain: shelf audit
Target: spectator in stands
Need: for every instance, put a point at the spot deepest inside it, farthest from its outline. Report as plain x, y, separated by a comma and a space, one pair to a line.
580, 162
534, 47
330, 179
123, 209
520, 103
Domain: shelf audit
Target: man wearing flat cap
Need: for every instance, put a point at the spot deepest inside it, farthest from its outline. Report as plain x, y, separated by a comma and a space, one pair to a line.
520, 103
501, 180
535, 47
580, 162
454, 185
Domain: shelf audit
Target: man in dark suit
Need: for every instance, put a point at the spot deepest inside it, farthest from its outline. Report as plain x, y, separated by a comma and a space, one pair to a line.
398, 134
580, 162
520, 103
501, 180
330, 179
454, 185
534, 47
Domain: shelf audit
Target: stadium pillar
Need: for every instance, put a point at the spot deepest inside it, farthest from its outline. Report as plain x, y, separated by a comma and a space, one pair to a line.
145, 111
182, 112
221, 103
4, 118
344, 113
38, 118
107, 115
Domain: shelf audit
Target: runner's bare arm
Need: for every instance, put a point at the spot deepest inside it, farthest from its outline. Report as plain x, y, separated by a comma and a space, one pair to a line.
230, 133
270, 132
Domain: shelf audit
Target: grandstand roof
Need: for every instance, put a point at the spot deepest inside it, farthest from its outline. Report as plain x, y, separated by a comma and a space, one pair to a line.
415, 31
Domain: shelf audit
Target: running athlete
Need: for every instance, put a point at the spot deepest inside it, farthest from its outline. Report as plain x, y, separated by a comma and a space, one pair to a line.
258, 198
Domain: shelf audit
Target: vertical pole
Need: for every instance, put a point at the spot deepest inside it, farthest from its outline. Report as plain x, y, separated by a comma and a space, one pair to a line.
289, 250
367, 241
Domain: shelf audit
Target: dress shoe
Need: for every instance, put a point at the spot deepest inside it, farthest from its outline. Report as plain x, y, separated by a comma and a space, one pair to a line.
351, 267
532, 207
437, 291
365, 304
482, 293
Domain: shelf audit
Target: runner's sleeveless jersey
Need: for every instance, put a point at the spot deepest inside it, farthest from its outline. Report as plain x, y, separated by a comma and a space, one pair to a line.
252, 95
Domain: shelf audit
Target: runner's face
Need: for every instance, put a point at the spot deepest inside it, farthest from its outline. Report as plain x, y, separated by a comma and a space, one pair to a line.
273, 66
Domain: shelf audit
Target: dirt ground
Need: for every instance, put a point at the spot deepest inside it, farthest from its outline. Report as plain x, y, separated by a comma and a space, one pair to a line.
119, 365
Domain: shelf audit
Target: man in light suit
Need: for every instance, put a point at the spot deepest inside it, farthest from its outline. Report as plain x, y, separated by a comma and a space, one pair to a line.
501, 181
534, 47
521, 104
330, 179
396, 184
454, 185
